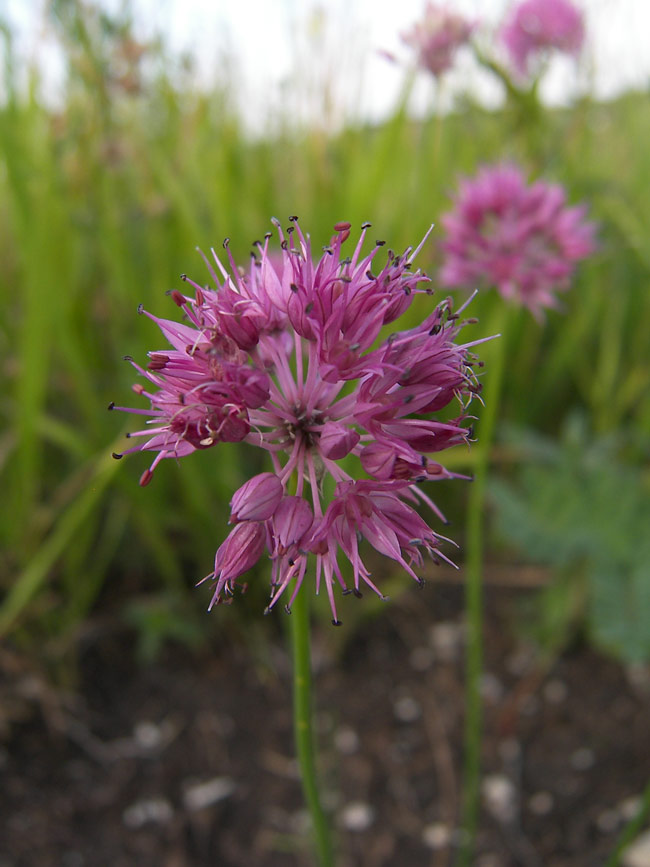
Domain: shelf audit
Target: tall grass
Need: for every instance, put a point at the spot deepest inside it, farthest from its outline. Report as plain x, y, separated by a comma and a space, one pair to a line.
103, 200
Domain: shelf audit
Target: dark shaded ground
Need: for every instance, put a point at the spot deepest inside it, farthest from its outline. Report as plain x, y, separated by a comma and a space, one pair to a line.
114, 776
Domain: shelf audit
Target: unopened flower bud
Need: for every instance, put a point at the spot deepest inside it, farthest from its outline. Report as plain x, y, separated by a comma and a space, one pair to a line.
257, 499
337, 440
378, 460
292, 520
240, 550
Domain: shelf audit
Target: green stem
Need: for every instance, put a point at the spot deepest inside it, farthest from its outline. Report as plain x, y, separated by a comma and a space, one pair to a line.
302, 724
474, 592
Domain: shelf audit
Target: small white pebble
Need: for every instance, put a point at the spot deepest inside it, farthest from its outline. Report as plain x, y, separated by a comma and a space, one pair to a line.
206, 794
500, 797
629, 808
582, 759
421, 658
637, 853
556, 691
357, 816
491, 688
346, 740
436, 836
148, 735
446, 639
541, 803
30, 687
407, 709
156, 811
608, 821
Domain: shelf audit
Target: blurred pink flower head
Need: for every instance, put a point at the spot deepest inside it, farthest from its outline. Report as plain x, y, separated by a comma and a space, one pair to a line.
287, 358
521, 238
437, 36
536, 26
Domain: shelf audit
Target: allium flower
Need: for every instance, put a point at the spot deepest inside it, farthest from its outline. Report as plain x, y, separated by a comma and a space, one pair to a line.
536, 26
288, 358
521, 238
437, 37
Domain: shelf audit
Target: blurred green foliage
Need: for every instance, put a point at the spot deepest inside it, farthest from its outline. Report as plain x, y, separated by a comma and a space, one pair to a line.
581, 505
104, 196
160, 618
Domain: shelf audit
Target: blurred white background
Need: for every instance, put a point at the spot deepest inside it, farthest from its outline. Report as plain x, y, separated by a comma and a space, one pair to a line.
322, 62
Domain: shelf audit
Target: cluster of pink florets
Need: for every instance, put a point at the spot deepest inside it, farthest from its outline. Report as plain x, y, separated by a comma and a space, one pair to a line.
437, 36
538, 26
521, 238
532, 30
288, 358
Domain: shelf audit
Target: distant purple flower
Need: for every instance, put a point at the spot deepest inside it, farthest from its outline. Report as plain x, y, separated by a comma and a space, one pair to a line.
539, 25
521, 238
287, 358
437, 36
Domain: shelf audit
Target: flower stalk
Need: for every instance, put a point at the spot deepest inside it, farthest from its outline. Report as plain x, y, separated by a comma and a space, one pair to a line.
474, 593
285, 358
303, 728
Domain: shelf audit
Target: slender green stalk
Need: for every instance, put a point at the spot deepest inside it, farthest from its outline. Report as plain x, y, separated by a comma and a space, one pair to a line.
302, 724
474, 593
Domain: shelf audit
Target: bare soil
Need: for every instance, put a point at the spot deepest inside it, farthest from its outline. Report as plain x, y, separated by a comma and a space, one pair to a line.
189, 761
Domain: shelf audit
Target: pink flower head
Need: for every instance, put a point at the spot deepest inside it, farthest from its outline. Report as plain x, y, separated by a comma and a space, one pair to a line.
521, 238
437, 37
537, 26
288, 358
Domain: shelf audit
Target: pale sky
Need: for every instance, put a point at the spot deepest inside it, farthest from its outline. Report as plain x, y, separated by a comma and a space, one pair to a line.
307, 58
